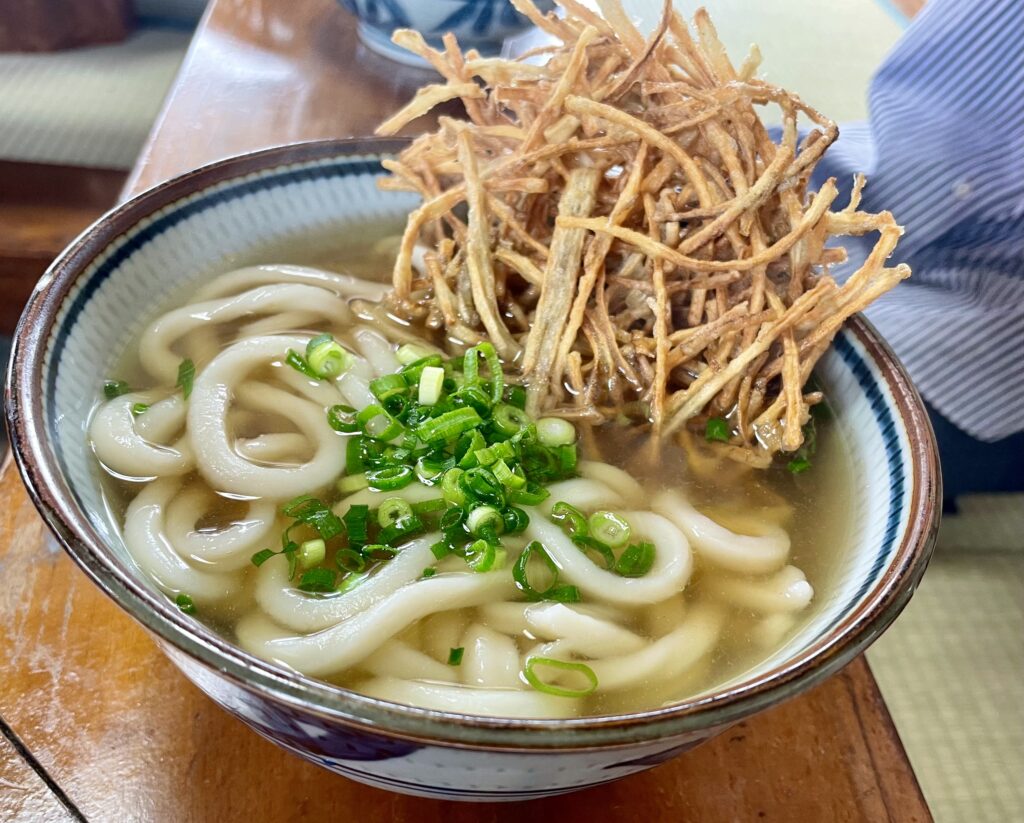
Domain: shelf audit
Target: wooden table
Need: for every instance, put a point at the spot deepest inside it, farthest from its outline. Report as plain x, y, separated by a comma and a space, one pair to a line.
98, 725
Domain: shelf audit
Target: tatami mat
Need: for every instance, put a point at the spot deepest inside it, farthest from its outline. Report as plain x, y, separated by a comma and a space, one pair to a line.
952, 666
87, 107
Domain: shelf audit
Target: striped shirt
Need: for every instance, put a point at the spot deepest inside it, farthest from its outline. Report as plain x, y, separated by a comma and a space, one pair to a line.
944, 152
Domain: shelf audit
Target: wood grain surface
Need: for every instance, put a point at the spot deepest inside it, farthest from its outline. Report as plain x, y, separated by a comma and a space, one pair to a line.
109, 720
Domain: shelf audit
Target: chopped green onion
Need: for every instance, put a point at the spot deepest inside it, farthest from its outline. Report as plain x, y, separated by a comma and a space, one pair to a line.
506, 476
400, 530
451, 486
636, 560
355, 460
298, 362
350, 560
531, 495
515, 396
490, 356
391, 428
554, 591
483, 556
342, 419
139, 408
414, 370
378, 551
455, 656
430, 506
429, 571
410, 353
717, 428
351, 483
430, 470
475, 397
392, 509
481, 484
186, 375
798, 465
609, 528
356, 524
326, 357
185, 603
318, 580
554, 431
489, 454
516, 520
313, 512
510, 420
115, 388
431, 383
569, 518
390, 478
262, 556
312, 553
388, 386
469, 444
440, 549
485, 518
562, 665
449, 425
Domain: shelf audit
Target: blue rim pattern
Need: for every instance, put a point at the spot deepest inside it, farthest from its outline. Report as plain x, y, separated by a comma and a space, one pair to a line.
847, 347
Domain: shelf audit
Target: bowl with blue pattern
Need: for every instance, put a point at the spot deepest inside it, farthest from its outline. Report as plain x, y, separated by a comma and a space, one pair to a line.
99, 294
483, 25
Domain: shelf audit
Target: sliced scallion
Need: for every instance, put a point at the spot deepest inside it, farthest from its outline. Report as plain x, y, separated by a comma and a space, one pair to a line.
185, 603
533, 678
431, 385
636, 560
449, 425
554, 431
115, 388
609, 528
410, 353
327, 358
318, 580
455, 656
351, 483
390, 478
392, 509
312, 553
509, 419
186, 376
483, 519
716, 429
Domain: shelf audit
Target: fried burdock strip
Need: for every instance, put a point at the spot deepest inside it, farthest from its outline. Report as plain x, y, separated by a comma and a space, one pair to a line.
696, 278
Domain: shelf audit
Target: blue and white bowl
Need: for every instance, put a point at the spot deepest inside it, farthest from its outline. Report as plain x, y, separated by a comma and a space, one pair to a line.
478, 24
114, 278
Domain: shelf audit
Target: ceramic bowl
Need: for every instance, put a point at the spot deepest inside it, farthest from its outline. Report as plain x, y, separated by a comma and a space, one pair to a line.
114, 278
478, 24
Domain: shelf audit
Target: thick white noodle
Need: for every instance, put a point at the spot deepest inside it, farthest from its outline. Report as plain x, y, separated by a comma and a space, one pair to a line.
146, 538
283, 447
746, 554
398, 659
347, 644
466, 700
490, 659
620, 482
376, 348
324, 393
590, 636
218, 460
130, 446
505, 617
669, 574
228, 549
279, 323
665, 658
770, 631
785, 591
155, 345
355, 388
442, 632
295, 610
586, 495
250, 277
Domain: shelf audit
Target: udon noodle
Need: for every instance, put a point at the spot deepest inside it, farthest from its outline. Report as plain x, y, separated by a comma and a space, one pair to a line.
203, 481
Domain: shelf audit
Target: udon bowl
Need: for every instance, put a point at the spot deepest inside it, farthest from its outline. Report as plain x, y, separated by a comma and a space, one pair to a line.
101, 291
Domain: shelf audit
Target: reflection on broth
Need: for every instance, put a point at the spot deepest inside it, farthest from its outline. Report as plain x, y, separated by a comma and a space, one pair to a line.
504, 567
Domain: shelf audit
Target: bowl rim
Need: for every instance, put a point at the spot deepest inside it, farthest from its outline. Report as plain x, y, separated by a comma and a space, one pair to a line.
49, 491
